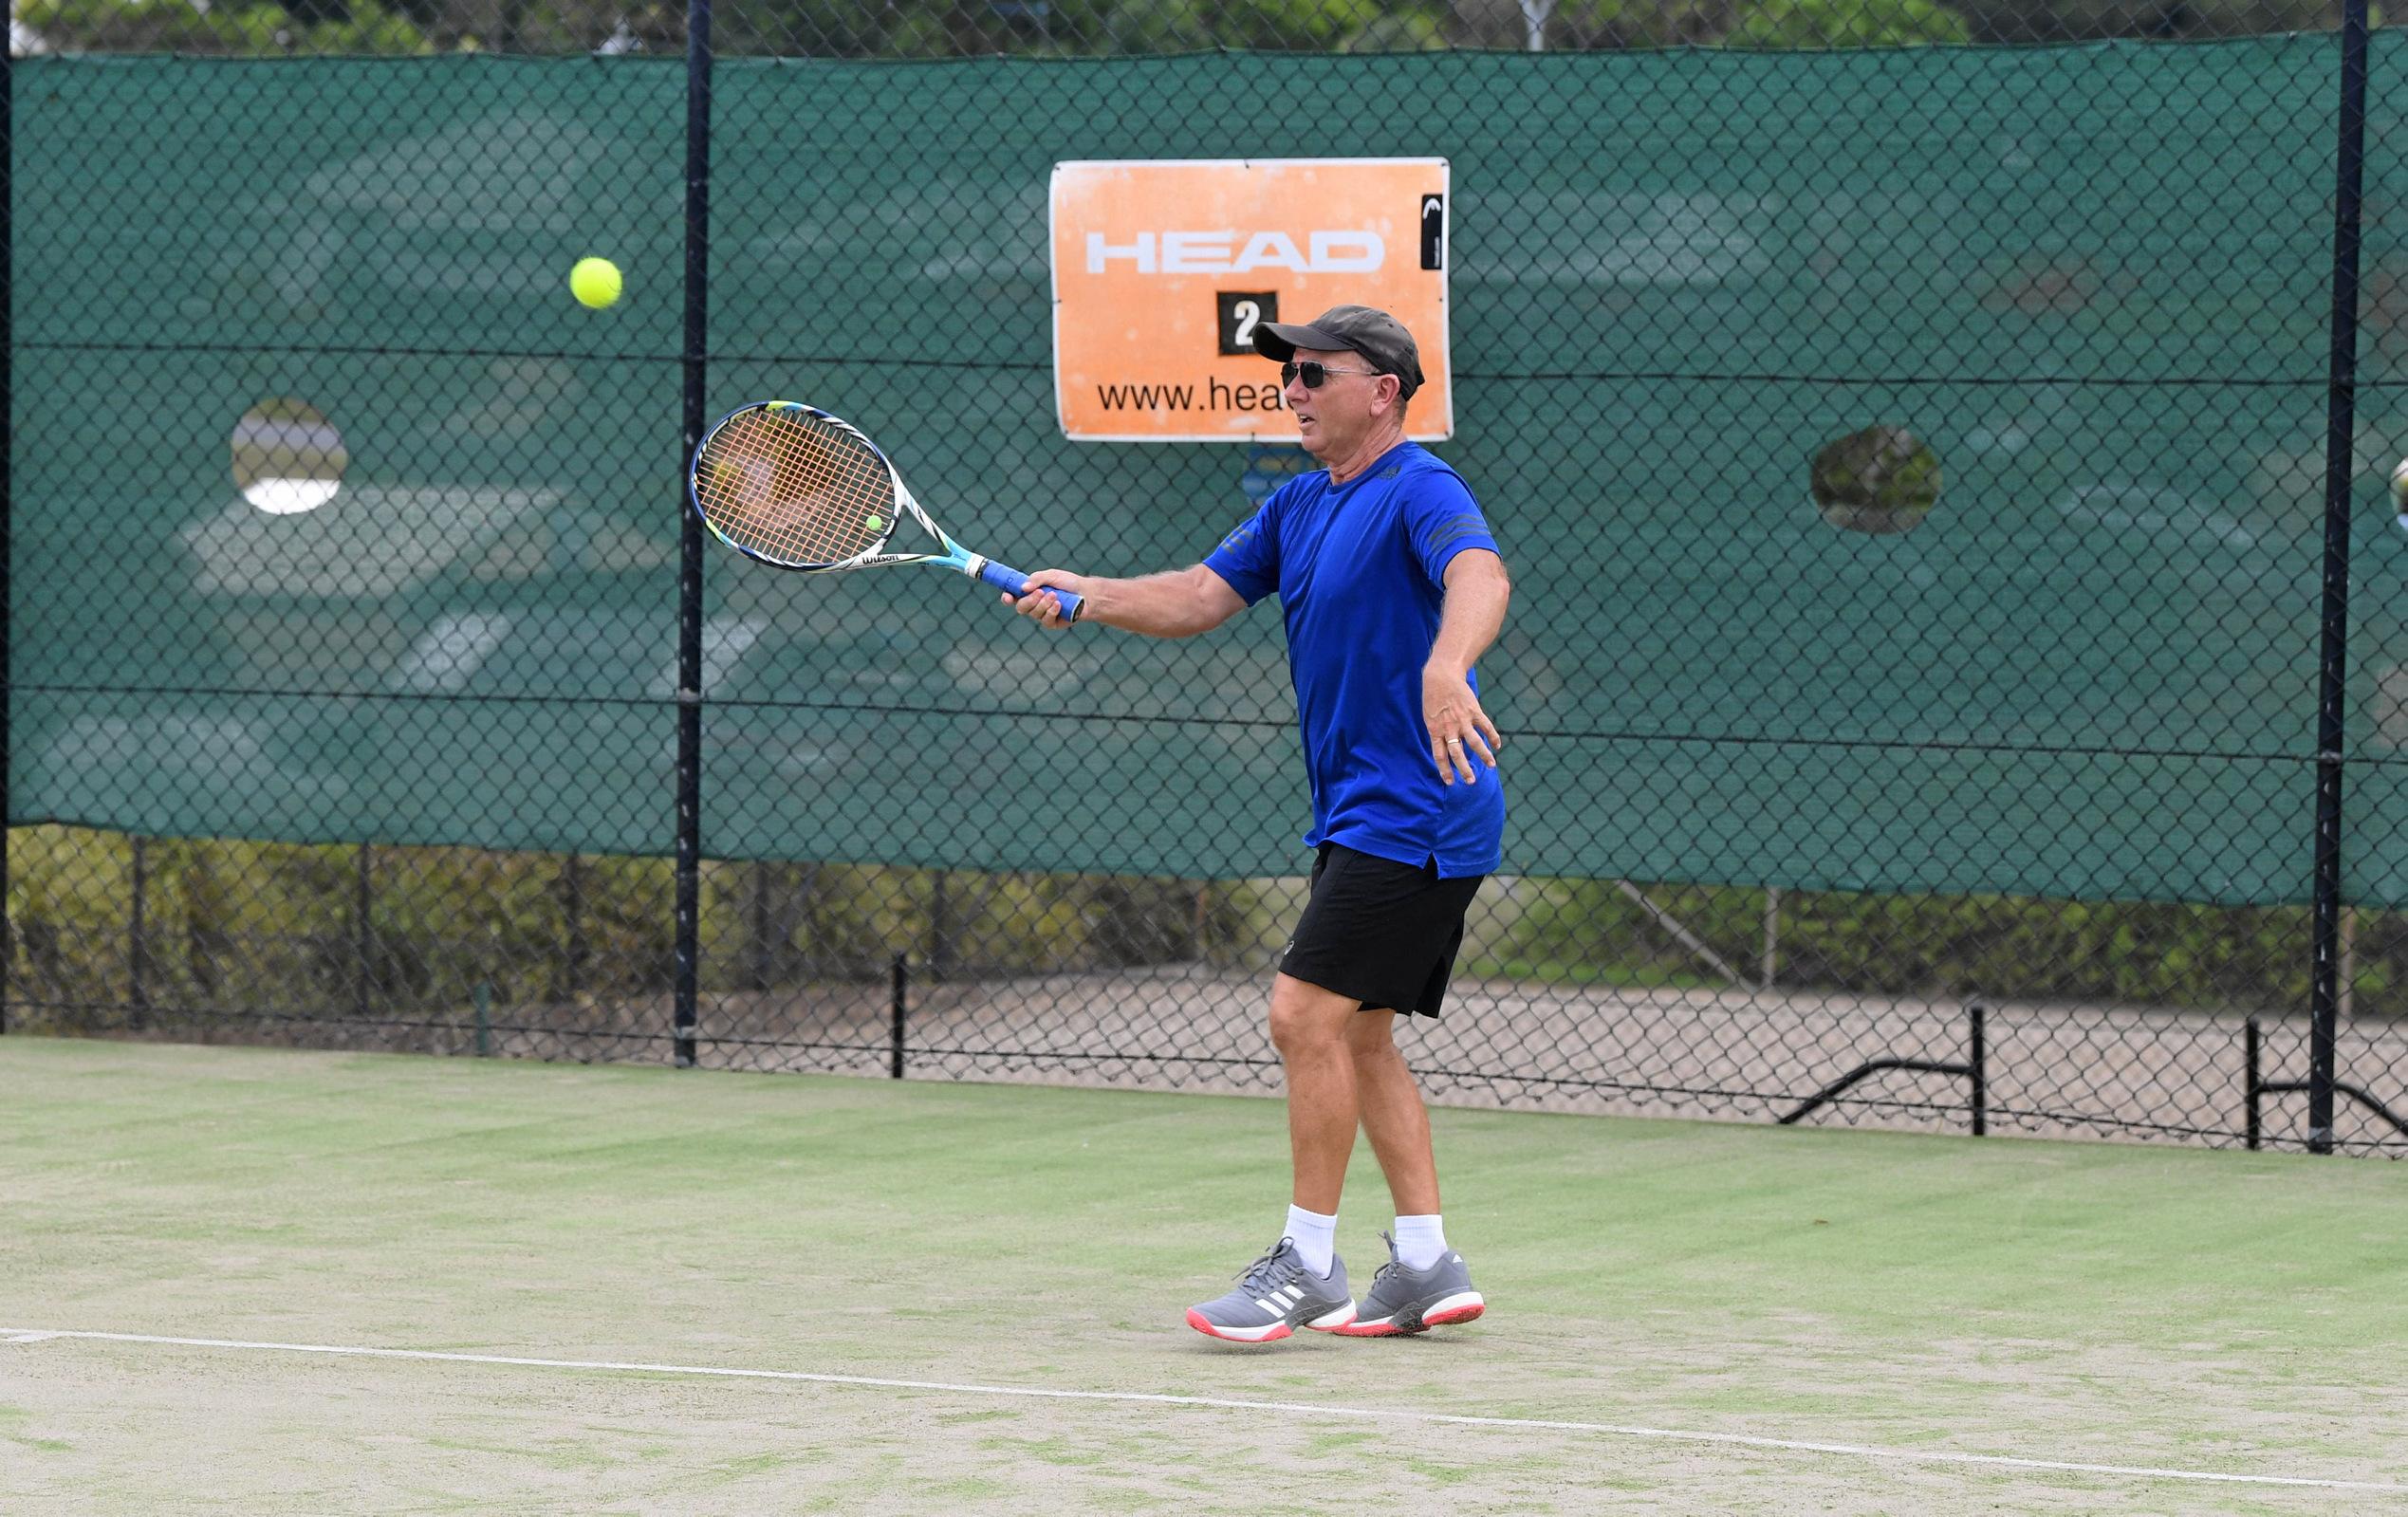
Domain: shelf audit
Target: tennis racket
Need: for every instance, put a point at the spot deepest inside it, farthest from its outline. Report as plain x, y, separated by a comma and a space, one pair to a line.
796, 487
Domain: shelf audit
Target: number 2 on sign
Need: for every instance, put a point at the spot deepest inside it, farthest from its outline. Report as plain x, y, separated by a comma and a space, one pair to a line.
1240, 312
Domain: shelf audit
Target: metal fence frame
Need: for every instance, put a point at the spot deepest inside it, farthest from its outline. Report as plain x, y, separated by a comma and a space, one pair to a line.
2324, 1086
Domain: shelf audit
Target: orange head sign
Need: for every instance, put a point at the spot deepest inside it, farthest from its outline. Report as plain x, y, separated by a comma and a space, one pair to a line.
1162, 270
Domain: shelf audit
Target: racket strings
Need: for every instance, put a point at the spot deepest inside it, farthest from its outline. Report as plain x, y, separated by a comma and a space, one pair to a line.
794, 490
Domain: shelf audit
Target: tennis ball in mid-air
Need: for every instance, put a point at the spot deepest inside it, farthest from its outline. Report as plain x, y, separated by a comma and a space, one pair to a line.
875, 524
594, 282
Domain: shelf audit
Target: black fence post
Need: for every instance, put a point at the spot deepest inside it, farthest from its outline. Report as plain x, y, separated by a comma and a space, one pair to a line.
902, 1012
1977, 1064
689, 950
137, 944
2341, 420
364, 933
2250, 1091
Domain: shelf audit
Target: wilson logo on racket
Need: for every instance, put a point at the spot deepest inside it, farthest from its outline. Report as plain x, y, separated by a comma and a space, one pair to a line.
798, 488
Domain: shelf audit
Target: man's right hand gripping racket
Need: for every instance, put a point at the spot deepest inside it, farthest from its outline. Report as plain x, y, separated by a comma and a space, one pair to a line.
796, 487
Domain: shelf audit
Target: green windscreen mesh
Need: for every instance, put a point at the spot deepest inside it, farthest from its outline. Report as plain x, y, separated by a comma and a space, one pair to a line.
475, 639
1911, 463
2375, 744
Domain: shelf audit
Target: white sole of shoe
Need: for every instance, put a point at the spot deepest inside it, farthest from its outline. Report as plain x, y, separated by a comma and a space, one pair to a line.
1330, 1322
1462, 1307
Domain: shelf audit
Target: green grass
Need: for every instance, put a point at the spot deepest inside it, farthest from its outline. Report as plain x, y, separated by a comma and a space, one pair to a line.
2116, 1304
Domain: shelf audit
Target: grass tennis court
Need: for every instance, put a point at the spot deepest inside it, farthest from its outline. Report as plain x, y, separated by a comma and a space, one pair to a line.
746, 1293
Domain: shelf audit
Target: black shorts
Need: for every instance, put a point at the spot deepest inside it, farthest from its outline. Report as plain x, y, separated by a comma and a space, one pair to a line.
1383, 933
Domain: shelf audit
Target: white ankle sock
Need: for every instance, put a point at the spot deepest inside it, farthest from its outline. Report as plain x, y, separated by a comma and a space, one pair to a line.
1420, 1240
1316, 1238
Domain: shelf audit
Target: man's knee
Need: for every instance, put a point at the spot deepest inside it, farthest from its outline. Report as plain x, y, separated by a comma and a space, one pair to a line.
1369, 1037
1305, 1019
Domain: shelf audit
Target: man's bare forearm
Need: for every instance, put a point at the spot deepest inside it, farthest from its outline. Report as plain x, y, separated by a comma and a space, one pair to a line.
1177, 605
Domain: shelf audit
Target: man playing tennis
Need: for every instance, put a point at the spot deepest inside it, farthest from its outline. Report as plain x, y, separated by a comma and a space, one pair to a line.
1392, 587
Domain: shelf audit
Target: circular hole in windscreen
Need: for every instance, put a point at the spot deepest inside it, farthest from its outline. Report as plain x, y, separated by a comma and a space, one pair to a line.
1880, 479
289, 458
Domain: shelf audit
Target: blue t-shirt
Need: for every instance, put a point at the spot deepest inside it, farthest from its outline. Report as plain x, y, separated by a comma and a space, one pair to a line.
1360, 572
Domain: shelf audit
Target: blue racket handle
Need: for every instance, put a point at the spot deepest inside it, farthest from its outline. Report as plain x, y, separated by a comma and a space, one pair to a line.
1015, 584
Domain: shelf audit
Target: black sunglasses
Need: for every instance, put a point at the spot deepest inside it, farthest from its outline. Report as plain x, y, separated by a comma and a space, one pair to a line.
1316, 374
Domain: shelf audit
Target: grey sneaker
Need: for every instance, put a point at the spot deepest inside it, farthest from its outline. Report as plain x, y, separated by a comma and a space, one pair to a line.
1412, 1301
1276, 1295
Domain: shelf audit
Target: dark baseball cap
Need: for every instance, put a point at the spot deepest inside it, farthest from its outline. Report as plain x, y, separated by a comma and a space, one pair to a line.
1376, 335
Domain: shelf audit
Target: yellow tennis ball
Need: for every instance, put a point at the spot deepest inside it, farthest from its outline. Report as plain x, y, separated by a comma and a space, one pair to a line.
875, 524
594, 282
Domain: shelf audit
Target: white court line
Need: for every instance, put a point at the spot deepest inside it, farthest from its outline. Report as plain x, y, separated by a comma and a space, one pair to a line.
42, 1335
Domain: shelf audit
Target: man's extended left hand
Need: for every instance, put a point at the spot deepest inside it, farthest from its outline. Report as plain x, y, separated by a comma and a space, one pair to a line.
1459, 730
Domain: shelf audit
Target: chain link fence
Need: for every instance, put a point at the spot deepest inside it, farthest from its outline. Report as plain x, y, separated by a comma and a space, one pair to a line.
1956, 677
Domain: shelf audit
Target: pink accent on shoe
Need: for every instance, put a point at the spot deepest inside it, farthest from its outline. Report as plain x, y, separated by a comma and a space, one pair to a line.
1196, 1320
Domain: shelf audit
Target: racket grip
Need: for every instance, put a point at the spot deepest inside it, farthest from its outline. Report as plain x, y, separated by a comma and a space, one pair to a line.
1015, 584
